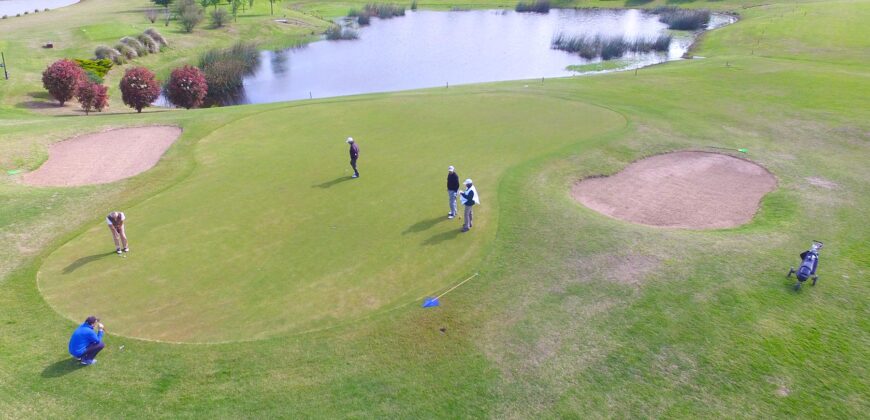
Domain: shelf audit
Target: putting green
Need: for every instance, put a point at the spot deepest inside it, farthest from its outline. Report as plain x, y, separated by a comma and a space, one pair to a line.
269, 235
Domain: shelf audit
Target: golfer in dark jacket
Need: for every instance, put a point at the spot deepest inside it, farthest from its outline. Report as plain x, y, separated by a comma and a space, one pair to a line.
84, 344
354, 155
452, 190
469, 198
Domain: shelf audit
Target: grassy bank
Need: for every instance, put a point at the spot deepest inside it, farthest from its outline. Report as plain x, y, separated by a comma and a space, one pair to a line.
574, 314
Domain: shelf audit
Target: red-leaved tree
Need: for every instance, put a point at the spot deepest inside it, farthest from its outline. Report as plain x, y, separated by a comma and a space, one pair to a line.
62, 78
186, 87
139, 88
92, 96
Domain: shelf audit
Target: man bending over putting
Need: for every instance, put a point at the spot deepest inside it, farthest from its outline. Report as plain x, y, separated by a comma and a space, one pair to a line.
84, 344
115, 220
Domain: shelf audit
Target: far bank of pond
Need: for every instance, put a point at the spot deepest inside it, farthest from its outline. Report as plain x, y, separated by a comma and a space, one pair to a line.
12, 8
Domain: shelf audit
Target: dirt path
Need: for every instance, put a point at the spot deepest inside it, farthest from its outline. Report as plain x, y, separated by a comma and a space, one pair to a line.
100, 158
697, 190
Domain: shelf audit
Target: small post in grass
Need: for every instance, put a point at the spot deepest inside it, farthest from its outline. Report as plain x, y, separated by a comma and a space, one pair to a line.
3, 64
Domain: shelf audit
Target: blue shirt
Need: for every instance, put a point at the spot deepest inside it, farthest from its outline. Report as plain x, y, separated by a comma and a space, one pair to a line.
83, 337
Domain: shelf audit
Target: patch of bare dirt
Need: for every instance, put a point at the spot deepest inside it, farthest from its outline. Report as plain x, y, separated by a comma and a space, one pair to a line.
822, 182
104, 157
696, 190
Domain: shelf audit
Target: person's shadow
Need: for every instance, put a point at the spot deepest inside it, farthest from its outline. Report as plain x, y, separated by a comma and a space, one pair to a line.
75, 265
423, 225
329, 184
443, 236
61, 368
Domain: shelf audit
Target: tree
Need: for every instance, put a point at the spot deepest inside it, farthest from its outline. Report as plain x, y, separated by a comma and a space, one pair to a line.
62, 78
165, 4
190, 13
92, 97
235, 5
139, 88
219, 18
272, 7
186, 87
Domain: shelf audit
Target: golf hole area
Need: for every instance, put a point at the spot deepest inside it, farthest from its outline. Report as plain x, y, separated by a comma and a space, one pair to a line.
104, 157
687, 189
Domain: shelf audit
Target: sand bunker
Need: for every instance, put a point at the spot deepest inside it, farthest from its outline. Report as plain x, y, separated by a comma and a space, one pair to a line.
105, 157
697, 190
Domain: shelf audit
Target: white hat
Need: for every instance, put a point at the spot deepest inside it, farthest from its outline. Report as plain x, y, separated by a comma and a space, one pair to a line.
350, 139
450, 168
468, 181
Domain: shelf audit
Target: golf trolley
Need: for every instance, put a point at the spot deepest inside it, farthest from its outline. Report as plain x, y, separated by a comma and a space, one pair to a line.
809, 265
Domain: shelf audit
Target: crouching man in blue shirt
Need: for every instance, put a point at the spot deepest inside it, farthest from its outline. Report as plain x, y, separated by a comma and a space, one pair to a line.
85, 343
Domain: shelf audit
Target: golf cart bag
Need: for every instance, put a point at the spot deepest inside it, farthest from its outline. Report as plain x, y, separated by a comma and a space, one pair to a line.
809, 265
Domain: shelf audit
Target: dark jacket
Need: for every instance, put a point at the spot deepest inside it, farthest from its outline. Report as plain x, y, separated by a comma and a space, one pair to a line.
354, 151
452, 182
468, 197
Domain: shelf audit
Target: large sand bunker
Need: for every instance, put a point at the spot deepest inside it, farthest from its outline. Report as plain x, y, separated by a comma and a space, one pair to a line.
697, 190
104, 157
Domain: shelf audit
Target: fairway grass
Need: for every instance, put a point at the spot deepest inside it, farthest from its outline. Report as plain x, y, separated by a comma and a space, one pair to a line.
574, 314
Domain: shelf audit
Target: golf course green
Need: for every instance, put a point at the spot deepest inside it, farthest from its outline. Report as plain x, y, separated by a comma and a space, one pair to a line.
270, 234
264, 282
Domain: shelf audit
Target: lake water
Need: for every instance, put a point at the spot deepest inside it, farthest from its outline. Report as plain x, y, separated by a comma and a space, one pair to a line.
430, 49
14, 7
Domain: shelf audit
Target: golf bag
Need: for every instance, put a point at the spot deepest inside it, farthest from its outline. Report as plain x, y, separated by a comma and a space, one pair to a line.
809, 265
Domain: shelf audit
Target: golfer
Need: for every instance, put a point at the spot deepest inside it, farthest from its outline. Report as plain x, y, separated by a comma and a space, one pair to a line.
354, 155
452, 190
84, 344
469, 198
115, 220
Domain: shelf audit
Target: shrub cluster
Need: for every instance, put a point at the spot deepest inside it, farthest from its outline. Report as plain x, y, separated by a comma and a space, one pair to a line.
139, 88
537, 6
224, 70
190, 14
92, 97
95, 70
62, 79
381, 10
219, 18
682, 19
606, 48
130, 47
186, 87
336, 32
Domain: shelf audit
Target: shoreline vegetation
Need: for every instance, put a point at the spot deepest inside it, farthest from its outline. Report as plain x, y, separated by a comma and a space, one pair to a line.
606, 48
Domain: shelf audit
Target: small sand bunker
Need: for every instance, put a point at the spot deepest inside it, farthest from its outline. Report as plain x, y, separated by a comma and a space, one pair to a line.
696, 190
104, 157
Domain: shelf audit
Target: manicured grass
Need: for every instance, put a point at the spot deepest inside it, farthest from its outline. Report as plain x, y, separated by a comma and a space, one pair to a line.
269, 234
574, 314
599, 66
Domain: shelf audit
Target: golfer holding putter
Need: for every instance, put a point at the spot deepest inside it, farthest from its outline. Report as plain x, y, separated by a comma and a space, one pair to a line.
452, 190
354, 155
469, 199
115, 220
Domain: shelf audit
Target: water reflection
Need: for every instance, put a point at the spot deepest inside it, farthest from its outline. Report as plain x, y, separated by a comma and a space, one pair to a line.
430, 49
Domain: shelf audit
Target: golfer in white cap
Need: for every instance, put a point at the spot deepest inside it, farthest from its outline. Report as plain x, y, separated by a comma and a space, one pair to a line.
354, 155
469, 198
452, 190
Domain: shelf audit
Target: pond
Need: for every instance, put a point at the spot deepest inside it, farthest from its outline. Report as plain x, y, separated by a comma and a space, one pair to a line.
14, 7
429, 49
